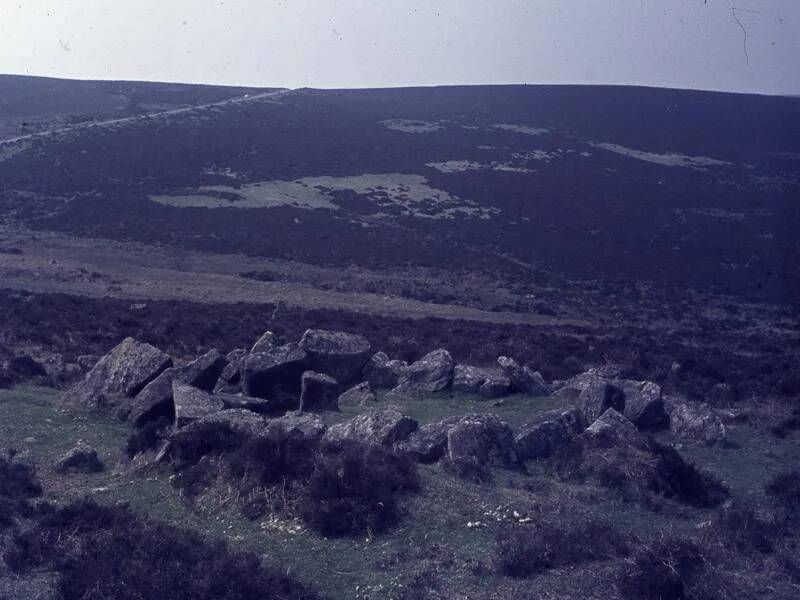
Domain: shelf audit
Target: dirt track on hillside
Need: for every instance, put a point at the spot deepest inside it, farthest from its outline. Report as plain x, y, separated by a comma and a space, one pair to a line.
102, 268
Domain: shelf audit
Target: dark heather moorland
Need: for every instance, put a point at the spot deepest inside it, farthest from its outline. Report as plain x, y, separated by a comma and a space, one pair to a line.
460, 342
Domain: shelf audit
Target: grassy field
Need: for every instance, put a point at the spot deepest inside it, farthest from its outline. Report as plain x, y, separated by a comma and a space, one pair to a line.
433, 541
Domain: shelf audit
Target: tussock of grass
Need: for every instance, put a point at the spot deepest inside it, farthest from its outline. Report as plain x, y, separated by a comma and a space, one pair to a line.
524, 552
18, 484
784, 488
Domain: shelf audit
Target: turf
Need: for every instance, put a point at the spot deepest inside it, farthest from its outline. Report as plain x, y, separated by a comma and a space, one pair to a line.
433, 543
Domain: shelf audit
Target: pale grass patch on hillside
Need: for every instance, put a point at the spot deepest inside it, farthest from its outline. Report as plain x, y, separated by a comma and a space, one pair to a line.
526, 129
410, 192
412, 126
8, 151
668, 160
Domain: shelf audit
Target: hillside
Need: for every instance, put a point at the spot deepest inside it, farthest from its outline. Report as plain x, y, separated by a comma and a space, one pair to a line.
638, 182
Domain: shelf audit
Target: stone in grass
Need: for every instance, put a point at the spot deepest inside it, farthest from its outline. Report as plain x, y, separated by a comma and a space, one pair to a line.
547, 433
335, 353
120, 374
523, 379
359, 395
380, 427
204, 371
696, 421
229, 381
265, 343
318, 392
192, 404
482, 439
382, 373
275, 374
431, 373
614, 429
81, 459
428, 443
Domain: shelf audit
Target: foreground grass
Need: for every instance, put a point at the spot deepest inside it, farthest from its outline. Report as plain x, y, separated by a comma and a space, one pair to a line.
434, 540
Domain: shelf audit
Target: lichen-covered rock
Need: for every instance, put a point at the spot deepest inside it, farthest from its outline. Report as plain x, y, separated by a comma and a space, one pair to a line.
306, 428
467, 379
382, 373
154, 401
358, 395
230, 381
204, 371
122, 373
380, 427
319, 392
598, 396
570, 390
548, 433
275, 375
335, 353
482, 382
244, 421
265, 343
429, 442
614, 429
696, 421
81, 459
239, 401
87, 361
431, 373
523, 379
192, 404
482, 440
644, 404
496, 385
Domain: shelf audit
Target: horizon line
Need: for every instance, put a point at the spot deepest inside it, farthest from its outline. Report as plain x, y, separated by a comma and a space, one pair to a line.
400, 86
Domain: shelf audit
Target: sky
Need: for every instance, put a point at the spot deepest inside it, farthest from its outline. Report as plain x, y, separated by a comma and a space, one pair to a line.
730, 45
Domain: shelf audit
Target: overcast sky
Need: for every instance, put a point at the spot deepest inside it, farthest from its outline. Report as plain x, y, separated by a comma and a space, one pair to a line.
376, 43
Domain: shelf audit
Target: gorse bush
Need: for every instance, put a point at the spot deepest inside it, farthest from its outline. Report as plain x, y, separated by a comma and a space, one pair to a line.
18, 484
675, 478
355, 487
271, 460
787, 425
640, 473
195, 442
524, 552
785, 490
196, 451
670, 569
275, 462
107, 553
336, 489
